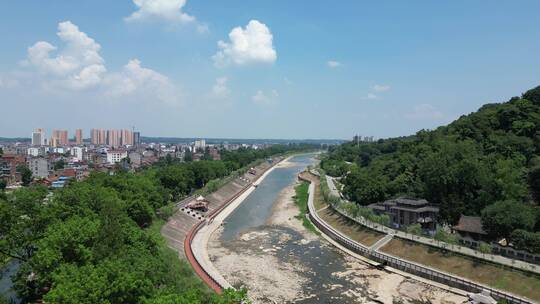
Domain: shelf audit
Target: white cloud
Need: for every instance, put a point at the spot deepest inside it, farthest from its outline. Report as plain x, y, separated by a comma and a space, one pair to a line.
167, 10
220, 89
8, 82
371, 96
334, 64
250, 45
88, 77
143, 82
203, 28
380, 88
264, 99
79, 66
288, 81
425, 112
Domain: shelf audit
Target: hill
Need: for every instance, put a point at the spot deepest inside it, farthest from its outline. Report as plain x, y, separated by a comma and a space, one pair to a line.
486, 163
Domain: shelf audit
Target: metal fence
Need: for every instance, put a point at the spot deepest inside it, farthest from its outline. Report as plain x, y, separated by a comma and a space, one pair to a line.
406, 266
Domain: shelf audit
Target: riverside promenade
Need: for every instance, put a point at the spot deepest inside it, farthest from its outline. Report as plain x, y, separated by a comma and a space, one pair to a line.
396, 264
492, 258
182, 227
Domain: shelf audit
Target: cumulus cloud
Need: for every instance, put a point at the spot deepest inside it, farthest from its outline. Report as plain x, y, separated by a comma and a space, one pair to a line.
264, 99
425, 112
79, 66
380, 88
252, 44
137, 80
371, 96
220, 89
167, 10
333, 64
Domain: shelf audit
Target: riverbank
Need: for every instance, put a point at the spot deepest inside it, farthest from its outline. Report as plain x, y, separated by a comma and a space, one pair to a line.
199, 245
281, 261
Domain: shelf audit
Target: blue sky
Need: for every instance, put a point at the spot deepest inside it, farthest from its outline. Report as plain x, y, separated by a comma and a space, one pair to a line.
292, 69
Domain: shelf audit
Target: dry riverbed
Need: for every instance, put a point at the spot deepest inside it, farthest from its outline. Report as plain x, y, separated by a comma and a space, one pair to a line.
282, 262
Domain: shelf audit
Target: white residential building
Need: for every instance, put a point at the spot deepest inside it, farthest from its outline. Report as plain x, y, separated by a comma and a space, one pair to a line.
40, 167
78, 153
33, 151
115, 156
200, 144
38, 137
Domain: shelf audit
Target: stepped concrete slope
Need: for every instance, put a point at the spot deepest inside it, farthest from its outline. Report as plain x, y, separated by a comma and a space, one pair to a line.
177, 227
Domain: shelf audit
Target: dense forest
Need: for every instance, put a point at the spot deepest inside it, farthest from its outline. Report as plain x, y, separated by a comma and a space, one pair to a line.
483, 164
98, 241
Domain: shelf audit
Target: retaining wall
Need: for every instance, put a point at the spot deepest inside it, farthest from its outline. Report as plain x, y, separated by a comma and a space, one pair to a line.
403, 265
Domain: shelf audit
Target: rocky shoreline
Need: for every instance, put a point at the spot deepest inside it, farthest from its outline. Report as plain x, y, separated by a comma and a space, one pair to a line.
282, 262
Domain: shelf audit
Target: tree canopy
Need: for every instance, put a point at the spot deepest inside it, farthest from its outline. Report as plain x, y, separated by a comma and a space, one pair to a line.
485, 163
93, 241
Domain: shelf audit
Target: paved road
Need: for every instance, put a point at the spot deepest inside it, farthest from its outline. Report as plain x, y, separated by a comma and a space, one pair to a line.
332, 186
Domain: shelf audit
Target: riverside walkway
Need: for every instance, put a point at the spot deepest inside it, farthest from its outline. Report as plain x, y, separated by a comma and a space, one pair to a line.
396, 263
181, 228
493, 258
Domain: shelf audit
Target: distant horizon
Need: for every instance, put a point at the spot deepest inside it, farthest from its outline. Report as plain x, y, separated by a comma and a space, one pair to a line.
205, 138
272, 69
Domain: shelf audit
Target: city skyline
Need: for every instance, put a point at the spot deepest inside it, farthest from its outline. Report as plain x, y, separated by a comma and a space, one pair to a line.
386, 69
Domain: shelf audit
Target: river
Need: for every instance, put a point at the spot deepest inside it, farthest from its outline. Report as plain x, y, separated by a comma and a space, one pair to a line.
6, 283
263, 247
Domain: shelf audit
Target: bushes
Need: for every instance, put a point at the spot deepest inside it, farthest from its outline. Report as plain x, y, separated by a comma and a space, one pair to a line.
525, 240
351, 208
443, 236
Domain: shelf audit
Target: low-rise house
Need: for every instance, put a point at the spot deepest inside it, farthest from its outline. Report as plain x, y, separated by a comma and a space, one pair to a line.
470, 230
8, 167
115, 156
135, 159
404, 212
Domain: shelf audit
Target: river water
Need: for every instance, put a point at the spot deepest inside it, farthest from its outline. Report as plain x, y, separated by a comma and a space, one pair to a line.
263, 247
5, 281
312, 262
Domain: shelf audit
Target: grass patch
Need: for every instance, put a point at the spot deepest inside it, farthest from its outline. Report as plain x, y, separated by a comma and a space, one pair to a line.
178, 269
301, 200
318, 200
351, 229
504, 278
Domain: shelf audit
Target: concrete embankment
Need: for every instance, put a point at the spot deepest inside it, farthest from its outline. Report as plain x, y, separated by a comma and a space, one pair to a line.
196, 240
398, 265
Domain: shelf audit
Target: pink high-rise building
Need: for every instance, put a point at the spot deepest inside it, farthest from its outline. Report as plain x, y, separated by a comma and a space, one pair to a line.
114, 138
59, 138
78, 137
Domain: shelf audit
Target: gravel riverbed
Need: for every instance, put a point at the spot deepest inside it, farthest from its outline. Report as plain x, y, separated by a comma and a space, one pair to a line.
282, 262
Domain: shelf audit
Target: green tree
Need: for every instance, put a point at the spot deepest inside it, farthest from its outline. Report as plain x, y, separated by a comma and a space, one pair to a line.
59, 164
484, 248
445, 237
188, 156
141, 212
26, 174
23, 220
526, 240
534, 179
414, 229
503, 217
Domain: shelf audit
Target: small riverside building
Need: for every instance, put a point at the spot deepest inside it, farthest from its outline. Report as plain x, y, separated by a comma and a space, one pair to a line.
404, 212
470, 230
